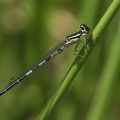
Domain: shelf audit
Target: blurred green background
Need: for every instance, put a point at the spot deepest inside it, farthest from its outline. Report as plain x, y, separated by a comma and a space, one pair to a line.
28, 30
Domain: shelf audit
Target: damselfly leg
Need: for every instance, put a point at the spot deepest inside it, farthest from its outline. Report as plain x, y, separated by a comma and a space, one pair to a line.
76, 51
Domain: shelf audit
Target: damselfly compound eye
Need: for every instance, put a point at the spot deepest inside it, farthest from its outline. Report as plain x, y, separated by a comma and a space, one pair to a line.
85, 29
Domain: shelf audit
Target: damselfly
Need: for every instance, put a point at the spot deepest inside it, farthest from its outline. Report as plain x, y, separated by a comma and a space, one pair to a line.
68, 41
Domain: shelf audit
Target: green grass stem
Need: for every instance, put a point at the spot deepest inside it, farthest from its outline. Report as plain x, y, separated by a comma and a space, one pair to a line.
104, 91
79, 62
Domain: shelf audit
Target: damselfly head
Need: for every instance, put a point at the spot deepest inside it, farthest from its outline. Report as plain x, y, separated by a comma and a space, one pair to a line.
85, 29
